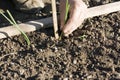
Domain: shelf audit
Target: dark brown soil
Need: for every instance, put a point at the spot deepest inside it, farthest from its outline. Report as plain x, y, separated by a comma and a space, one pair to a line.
90, 53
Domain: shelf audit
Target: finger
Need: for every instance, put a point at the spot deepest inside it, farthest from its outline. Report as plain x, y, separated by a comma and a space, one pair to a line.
72, 22
73, 28
77, 24
62, 13
77, 16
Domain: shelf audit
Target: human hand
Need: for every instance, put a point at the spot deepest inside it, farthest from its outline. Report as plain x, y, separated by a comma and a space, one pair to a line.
77, 15
29, 5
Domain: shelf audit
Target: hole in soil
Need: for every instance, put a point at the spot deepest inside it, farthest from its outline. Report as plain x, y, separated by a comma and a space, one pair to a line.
91, 67
56, 77
32, 78
0, 69
23, 76
117, 69
104, 69
99, 51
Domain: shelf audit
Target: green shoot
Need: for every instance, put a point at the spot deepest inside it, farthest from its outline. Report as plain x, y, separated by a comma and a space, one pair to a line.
66, 16
13, 22
82, 37
67, 11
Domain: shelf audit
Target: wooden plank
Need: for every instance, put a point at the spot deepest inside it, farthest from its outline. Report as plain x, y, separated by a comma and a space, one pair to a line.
26, 27
103, 9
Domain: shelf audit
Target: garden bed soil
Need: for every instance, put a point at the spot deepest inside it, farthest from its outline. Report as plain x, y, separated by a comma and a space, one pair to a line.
92, 52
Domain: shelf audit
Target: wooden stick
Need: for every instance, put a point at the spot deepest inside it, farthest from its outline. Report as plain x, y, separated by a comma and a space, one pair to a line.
47, 22
55, 23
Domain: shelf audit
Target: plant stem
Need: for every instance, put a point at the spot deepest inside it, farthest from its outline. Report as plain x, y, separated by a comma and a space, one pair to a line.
67, 11
67, 7
13, 22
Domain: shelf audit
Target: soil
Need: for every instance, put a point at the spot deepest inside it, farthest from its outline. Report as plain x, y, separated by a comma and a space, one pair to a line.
92, 52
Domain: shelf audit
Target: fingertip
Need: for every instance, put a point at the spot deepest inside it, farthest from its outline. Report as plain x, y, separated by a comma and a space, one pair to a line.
66, 35
65, 31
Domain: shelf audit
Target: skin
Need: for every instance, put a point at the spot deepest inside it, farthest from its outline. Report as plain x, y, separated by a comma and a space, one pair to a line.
77, 15
77, 12
28, 4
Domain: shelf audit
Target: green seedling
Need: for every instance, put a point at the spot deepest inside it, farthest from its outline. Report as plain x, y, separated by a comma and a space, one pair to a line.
13, 22
66, 16
67, 10
82, 37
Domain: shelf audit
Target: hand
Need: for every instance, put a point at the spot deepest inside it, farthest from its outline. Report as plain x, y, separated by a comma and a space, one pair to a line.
77, 11
28, 5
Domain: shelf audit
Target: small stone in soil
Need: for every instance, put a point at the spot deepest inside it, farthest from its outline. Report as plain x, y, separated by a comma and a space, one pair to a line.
74, 61
55, 49
89, 77
119, 31
118, 76
118, 38
21, 71
109, 35
65, 79
41, 50
71, 76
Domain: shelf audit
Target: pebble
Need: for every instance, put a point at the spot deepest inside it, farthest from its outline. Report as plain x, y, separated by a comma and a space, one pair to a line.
116, 24
118, 76
89, 77
74, 61
21, 71
118, 38
41, 50
109, 35
55, 49
65, 79
71, 76
119, 31
15, 75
